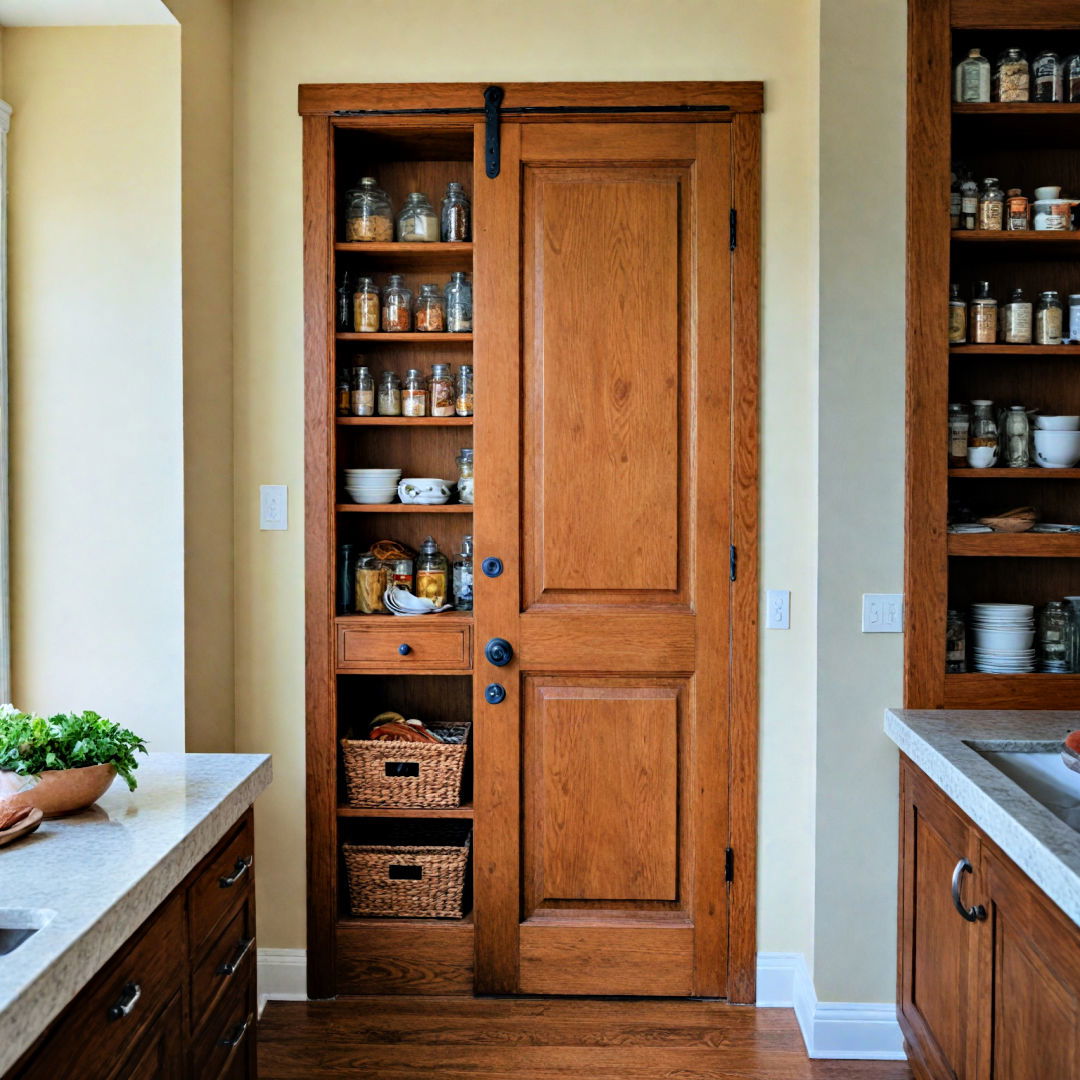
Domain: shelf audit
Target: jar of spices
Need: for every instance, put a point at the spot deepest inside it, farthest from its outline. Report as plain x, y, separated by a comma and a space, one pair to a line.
1074, 318
991, 206
432, 571
1017, 438
959, 422
459, 304
463, 576
361, 393
417, 222
397, 306
969, 203
1053, 638
368, 215
344, 401
955, 643
1071, 78
1011, 77
389, 394
1017, 211
957, 317
463, 391
401, 574
1049, 318
972, 78
366, 307
1047, 77
430, 310
456, 219
346, 592
982, 316
465, 475
982, 451
344, 316
441, 391
1016, 319
371, 582
414, 395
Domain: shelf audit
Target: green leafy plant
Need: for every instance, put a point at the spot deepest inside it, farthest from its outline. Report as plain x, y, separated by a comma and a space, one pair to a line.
31, 744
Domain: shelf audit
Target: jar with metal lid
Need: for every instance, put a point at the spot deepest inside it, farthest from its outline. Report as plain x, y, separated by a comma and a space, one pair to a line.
1017, 438
991, 206
344, 401
432, 572
396, 306
983, 315
1072, 78
465, 475
389, 400
1017, 211
955, 643
361, 393
959, 422
982, 451
969, 202
456, 218
1047, 77
366, 307
463, 576
459, 315
401, 574
441, 390
1049, 318
1016, 319
1053, 638
957, 317
429, 310
414, 394
371, 582
368, 214
1074, 318
971, 81
417, 221
1012, 77
463, 391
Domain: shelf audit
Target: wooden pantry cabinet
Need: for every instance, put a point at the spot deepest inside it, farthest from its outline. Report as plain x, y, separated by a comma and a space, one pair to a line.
610, 783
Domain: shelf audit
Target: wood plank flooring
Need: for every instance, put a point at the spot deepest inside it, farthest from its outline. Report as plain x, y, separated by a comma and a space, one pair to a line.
455, 1038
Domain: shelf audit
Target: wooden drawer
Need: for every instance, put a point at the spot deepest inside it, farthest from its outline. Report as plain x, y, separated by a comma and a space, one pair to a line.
229, 960
361, 647
222, 885
119, 1004
228, 1038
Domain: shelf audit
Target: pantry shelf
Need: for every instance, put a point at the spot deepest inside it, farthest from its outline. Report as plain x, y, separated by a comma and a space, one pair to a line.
411, 812
405, 508
1062, 243
346, 922
404, 421
1015, 350
1027, 545
411, 338
1016, 474
381, 622
1033, 691
1025, 109
392, 256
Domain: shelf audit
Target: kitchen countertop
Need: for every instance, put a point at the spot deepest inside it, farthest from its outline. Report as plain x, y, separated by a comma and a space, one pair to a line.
103, 873
944, 743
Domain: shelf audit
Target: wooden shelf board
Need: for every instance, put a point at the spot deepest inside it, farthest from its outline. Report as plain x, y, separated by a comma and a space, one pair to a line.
405, 421
1014, 350
348, 922
400, 247
1033, 691
1017, 108
1016, 474
409, 812
381, 622
1029, 236
1032, 545
411, 338
403, 508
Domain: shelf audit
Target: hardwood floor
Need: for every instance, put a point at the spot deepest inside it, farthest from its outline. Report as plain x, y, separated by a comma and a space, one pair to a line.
444, 1038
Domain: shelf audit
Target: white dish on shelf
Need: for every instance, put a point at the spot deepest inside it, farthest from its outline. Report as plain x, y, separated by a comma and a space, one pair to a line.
424, 491
1057, 423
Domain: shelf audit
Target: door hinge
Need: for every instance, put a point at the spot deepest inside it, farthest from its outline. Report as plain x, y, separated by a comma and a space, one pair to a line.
734, 557
729, 865
493, 97
733, 226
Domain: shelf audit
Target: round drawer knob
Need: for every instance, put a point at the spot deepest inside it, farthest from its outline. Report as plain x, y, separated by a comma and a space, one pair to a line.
498, 652
404, 649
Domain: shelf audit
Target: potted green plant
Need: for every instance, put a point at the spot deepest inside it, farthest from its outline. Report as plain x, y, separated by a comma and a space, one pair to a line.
64, 763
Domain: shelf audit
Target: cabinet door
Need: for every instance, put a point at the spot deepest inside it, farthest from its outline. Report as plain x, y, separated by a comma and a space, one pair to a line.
159, 1054
939, 947
1032, 1009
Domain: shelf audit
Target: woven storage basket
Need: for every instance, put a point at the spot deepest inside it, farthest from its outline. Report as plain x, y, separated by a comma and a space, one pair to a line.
417, 870
381, 773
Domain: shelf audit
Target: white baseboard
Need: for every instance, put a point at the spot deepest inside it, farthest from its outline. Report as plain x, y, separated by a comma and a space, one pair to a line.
830, 1029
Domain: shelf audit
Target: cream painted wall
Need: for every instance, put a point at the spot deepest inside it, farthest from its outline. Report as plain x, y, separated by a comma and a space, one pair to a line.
280, 43
96, 423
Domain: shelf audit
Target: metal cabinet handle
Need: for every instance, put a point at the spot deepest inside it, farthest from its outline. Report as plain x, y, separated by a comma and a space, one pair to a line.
241, 868
971, 914
236, 1036
128, 997
230, 967
404, 649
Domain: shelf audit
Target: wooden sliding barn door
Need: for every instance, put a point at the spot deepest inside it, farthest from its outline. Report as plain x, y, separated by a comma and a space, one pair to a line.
603, 435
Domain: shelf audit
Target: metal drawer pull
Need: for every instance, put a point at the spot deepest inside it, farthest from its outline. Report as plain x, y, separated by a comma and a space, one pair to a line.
128, 997
241, 868
242, 949
972, 914
236, 1036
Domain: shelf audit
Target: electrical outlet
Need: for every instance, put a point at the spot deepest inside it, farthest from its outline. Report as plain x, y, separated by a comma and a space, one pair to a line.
273, 506
778, 609
883, 613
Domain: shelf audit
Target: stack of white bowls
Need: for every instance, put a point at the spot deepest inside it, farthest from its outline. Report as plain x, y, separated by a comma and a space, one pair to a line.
371, 486
1003, 638
1057, 441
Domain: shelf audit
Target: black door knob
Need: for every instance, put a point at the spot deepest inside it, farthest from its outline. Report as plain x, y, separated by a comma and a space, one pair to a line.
499, 652
494, 693
404, 649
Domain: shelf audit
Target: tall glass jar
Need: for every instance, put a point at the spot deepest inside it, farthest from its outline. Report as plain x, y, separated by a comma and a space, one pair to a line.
432, 572
1017, 438
1072, 78
344, 401
361, 393
463, 391
465, 475
972, 78
969, 202
982, 452
954, 201
371, 582
459, 317
1072, 604
1017, 211
389, 399
441, 391
983, 316
344, 317
955, 644
991, 206
430, 310
1012, 77
1016, 318
1053, 638
346, 591
1047, 78
414, 394
396, 306
957, 317
417, 221
959, 422
463, 576
368, 214
366, 307
456, 218
1049, 319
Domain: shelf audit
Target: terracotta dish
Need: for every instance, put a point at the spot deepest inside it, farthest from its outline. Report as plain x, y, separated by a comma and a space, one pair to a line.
23, 827
59, 792
1070, 751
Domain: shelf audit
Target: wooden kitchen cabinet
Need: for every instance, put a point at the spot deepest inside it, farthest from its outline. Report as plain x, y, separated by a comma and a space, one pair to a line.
993, 994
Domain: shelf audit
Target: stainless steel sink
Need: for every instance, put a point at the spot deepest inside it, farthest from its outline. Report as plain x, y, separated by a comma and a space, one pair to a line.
1045, 777
18, 925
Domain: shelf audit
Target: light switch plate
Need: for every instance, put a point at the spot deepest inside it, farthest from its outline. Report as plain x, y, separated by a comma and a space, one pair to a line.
883, 613
778, 609
273, 506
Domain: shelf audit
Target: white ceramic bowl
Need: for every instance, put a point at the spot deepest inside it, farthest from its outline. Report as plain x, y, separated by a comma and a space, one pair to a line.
424, 490
1057, 449
1004, 640
1057, 423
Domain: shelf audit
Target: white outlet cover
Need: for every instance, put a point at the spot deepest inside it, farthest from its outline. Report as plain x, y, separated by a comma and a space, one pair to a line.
273, 507
883, 613
778, 609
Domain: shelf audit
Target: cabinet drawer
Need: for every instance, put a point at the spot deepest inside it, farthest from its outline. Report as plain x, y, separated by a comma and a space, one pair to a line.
427, 647
223, 884
229, 960
117, 1007
228, 1037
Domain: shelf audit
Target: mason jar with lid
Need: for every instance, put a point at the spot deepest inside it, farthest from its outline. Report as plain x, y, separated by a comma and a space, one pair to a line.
1012, 77
417, 221
456, 218
1017, 438
368, 213
441, 391
1049, 318
459, 316
430, 310
396, 306
414, 394
371, 582
992, 206
982, 321
389, 400
463, 391
465, 475
361, 393
1047, 77
959, 422
366, 307
1016, 319
955, 643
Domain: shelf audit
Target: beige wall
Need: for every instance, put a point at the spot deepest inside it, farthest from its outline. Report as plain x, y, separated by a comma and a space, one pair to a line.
96, 424
280, 43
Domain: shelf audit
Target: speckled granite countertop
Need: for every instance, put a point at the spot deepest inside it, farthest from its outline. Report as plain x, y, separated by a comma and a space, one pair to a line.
945, 744
98, 875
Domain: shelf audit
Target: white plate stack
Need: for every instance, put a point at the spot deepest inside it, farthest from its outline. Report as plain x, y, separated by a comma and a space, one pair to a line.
372, 486
1003, 638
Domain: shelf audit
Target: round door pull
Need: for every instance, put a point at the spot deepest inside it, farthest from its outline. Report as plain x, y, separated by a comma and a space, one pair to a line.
404, 649
491, 566
499, 652
494, 693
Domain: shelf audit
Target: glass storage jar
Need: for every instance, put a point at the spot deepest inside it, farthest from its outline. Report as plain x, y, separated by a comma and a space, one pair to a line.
982, 452
955, 644
344, 402
432, 571
366, 307
1016, 319
389, 394
972, 78
1053, 638
459, 304
959, 422
957, 317
396, 306
991, 206
1017, 211
465, 475
463, 391
1049, 319
456, 218
1047, 78
414, 395
1072, 606
1012, 77
371, 581
441, 391
983, 316
429, 310
1072, 78
1017, 438
368, 214
463, 576
361, 393
344, 317
1074, 318
417, 221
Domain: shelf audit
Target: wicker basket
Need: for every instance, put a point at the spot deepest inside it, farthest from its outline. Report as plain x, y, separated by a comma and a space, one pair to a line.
387, 774
416, 870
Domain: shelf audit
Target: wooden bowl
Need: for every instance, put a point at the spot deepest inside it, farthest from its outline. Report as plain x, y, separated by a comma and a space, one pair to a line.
22, 828
58, 792
1022, 519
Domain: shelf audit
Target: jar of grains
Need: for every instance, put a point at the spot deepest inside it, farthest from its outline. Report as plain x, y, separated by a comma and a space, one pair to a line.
983, 316
456, 214
465, 475
389, 400
396, 306
417, 221
366, 307
361, 393
430, 310
459, 304
1012, 77
463, 390
1049, 319
414, 395
441, 391
368, 214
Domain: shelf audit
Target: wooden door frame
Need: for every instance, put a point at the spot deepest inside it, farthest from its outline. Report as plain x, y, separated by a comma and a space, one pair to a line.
744, 103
